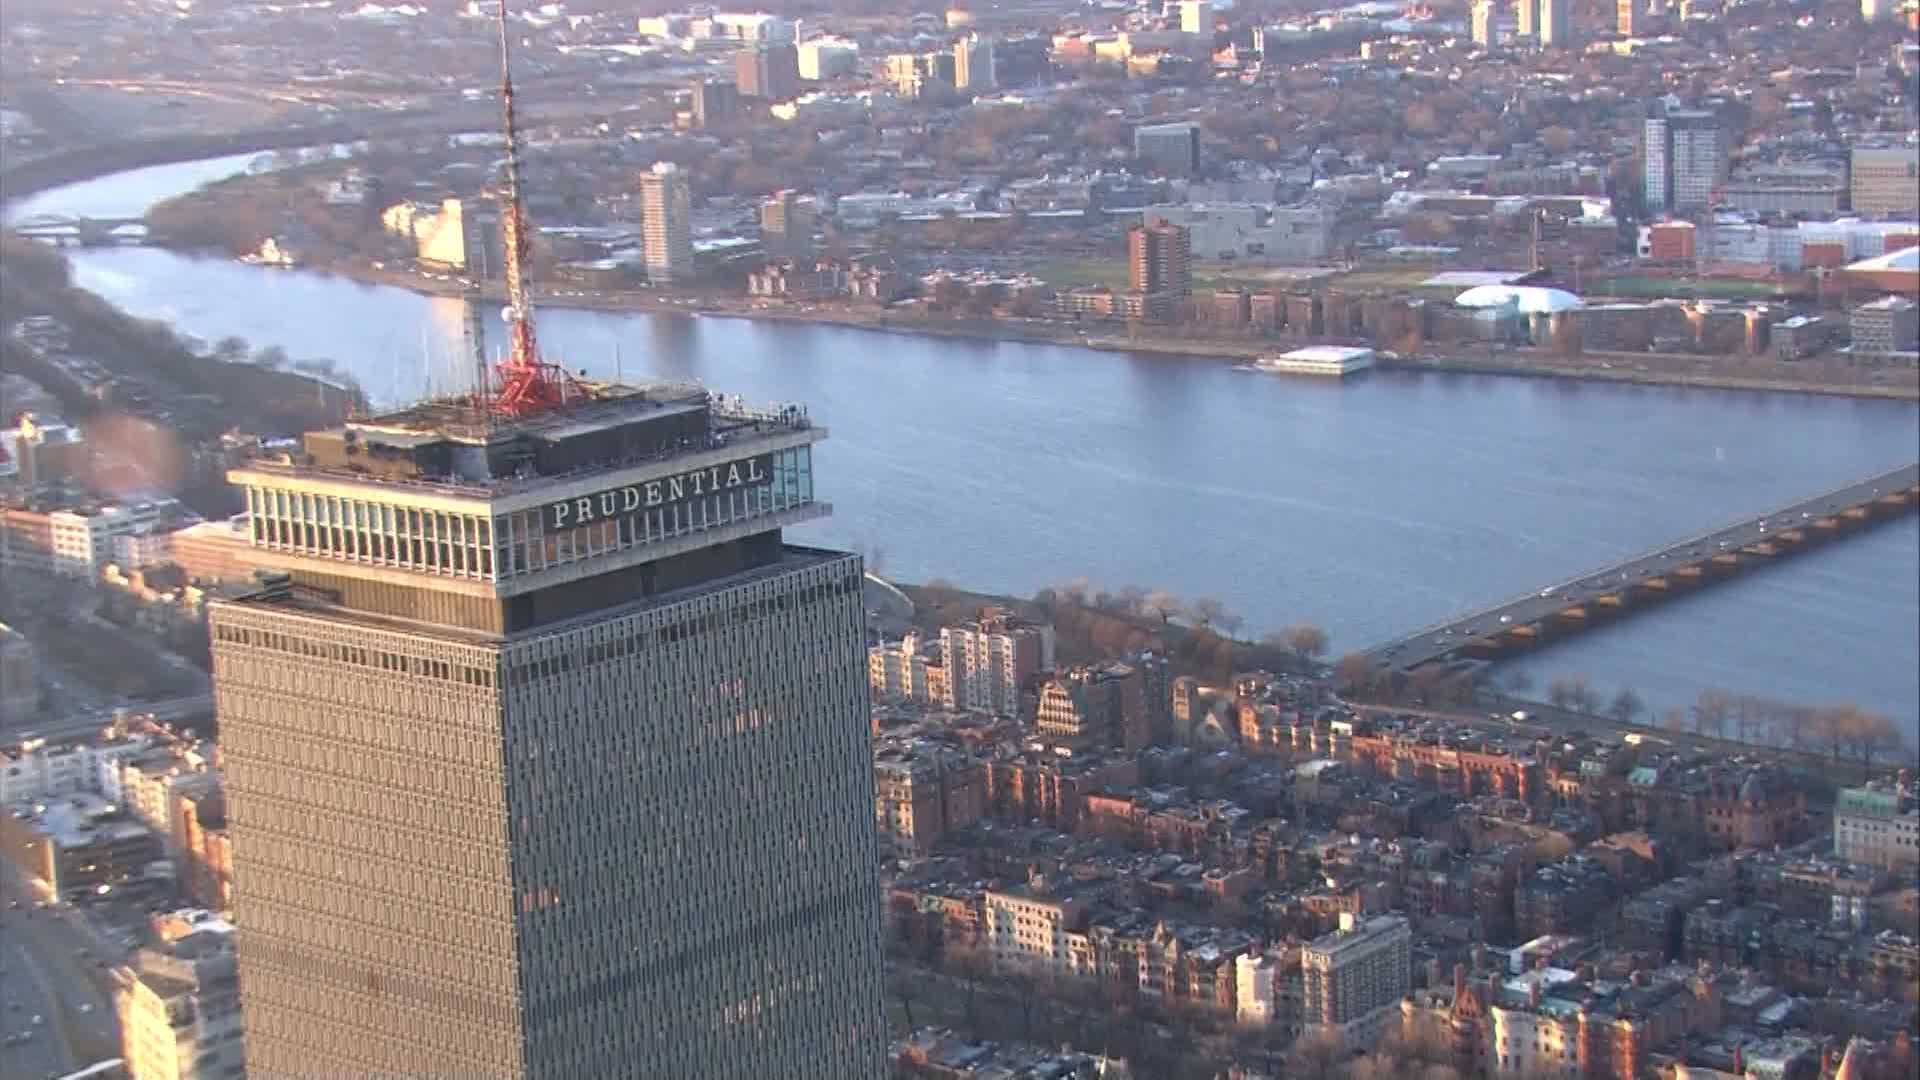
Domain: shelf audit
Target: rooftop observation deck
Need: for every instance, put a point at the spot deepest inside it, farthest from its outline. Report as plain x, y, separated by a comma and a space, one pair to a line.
449, 447
444, 495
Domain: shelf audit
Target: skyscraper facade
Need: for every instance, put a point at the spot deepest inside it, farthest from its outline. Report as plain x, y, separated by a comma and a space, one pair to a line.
1528, 14
1353, 979
1486, 23
1556, 23
714, 103
1656, 158
973, 64
989, 662
1700, 157
1633, 18
666, 228
769, 72
546, 756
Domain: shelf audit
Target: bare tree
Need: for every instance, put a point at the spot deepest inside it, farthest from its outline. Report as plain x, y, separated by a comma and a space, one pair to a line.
1710, 713
1162, 603
1518, 682
1829, 727
1129, 599
939, 592
1626, 705
1315, 1056
1207, 609
1574, 693
1674, 719
1075, 591
1585, 698
1306, 639
1229, 622
1874, 736
1354, 673
1424, 682
1796, 726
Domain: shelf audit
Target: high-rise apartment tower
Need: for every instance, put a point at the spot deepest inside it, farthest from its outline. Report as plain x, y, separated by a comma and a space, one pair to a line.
1160, 259
666, 231
546, 756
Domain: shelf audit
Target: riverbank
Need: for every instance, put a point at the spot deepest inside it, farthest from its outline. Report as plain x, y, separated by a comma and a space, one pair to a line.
1648, 369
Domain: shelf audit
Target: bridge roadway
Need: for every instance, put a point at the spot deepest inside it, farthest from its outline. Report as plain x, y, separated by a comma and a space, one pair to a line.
1573, 605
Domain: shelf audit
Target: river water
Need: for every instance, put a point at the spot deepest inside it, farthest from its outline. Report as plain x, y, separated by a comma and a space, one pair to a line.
1370, 508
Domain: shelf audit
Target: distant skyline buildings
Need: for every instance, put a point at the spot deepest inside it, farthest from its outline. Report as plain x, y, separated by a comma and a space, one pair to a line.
714, 103
1171, 149
1685, 156
770, 72
1545, 23
1556, 23
973, 65
1489, 19
1196, 17
786, 226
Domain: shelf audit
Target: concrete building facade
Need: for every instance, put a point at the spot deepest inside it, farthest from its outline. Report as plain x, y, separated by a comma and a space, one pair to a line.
1168, 149
1886, 180
1354, 978
179, 1006
1877, 826
990, 662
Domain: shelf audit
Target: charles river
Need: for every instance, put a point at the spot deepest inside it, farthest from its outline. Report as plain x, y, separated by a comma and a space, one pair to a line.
1370, 508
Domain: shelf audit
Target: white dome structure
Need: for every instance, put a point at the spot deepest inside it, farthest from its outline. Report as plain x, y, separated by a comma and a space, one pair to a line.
1526, 299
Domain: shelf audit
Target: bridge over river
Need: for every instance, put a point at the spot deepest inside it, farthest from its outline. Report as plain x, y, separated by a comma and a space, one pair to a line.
85, 231
1568, 607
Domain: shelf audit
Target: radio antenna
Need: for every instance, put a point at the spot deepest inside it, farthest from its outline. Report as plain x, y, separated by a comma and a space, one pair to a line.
528, 384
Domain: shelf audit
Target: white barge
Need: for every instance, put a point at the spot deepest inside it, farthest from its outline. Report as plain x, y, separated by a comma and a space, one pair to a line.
1332, 360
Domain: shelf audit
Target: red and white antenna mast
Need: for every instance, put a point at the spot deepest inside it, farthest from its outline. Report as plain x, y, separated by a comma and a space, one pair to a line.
528, 384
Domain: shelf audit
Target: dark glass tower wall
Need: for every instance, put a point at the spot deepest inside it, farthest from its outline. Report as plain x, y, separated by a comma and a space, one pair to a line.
630, 845
373, 882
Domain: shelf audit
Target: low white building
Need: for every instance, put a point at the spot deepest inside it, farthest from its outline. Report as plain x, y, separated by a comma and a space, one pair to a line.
37, 770
898, 672
83, 539
179, 1004
1251, 232
1254, 997
1027, 931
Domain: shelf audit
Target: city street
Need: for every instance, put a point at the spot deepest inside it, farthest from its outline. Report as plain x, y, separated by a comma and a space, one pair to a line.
27, 1050
56, 969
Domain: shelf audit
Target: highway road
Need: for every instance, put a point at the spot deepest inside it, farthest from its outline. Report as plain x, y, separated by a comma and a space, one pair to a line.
1442, 640
173, 710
